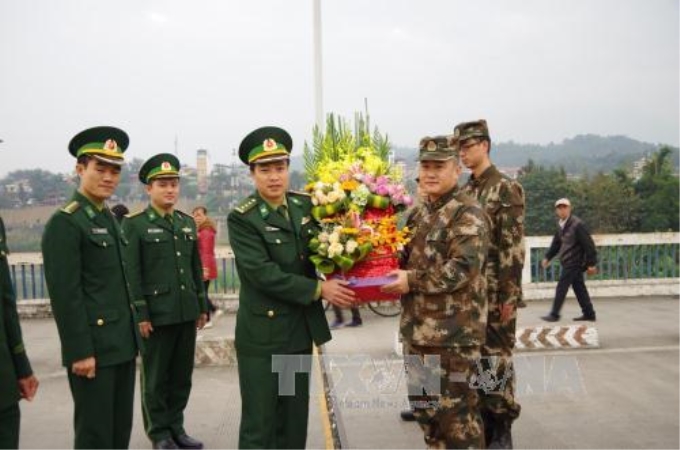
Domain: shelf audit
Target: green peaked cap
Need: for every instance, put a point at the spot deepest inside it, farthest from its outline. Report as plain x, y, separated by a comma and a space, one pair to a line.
265, 144
162, 165
106, 144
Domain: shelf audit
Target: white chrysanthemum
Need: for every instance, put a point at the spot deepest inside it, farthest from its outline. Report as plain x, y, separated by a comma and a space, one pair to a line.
335, 249
332, 196
334, 238
323, 237
351, 245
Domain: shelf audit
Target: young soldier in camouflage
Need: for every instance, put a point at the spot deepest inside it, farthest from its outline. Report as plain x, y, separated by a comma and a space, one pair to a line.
444, 301
503, 201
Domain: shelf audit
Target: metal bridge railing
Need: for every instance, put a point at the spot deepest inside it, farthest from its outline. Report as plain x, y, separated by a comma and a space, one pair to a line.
620, 257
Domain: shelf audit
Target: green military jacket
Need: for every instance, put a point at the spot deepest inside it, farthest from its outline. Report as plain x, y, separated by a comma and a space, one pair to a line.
502, 198
164, 266
446, 305
82, 251
278, 311
13, 360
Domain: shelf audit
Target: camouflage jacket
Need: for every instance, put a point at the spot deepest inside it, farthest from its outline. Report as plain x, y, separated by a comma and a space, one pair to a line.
503, 201
446, 260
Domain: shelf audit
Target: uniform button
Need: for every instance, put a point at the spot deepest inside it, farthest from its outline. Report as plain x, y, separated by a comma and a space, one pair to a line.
181, 270
104, 244
176, 238
270, 313
182, 287
179, 254
100, 322
278, 241
155, 292
158, 240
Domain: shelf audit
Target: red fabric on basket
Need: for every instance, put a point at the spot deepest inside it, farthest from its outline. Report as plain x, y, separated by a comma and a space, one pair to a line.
368, 276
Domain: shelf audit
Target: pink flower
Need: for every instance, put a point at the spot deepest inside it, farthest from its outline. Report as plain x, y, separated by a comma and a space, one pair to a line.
382, 190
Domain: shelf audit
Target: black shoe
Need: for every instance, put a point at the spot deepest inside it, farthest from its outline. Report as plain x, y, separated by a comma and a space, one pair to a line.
551, 318
165, 443
186, 441
584, 317
355, 323
407, 415
502, 436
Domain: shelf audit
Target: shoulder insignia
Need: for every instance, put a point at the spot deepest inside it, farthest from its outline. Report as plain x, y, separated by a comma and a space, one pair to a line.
134, 214
71, 207
246, 205
183, 214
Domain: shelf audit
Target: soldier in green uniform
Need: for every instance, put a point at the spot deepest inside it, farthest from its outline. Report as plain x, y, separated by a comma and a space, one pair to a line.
82, 250
166, 277
280, 316
16, 377
503, 200
443, 291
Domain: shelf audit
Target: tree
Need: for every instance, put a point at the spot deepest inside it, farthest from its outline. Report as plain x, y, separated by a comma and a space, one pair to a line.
658, 191
541, 188
611, 204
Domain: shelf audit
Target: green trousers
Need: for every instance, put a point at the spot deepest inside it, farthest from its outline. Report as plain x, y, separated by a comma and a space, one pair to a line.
270, 417
167, 367
10, 419
103, 406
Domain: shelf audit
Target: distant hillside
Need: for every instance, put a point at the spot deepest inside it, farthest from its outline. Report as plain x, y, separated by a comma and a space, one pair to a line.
583, 153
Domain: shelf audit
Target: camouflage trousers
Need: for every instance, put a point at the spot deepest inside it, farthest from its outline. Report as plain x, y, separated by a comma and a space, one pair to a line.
497, 371
448, 409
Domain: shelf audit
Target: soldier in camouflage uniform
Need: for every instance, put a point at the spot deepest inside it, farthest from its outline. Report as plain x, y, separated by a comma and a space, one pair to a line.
443, 291
503, 200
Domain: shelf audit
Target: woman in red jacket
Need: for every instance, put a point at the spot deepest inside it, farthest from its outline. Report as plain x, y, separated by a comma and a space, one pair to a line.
206, 248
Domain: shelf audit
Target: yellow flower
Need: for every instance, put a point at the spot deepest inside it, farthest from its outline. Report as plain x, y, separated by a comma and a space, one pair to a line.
350, 185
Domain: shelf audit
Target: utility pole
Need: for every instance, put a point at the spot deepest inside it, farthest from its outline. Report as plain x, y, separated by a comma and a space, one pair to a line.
318, 66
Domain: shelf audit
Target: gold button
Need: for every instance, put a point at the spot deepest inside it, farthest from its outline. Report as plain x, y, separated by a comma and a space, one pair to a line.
179, 254
278, 241
270, 313
100, 322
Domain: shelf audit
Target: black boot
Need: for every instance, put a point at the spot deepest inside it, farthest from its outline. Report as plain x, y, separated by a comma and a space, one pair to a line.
502, 436
487, 418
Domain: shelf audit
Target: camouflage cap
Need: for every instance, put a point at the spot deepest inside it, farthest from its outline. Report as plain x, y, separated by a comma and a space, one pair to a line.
467, 130
438, 148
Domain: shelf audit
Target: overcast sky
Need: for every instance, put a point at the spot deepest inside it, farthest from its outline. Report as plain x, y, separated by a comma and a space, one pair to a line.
209, 71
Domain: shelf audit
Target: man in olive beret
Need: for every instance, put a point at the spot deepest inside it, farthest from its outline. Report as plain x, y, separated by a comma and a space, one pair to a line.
503, 200
280, 316
443, 290
82, 252
166, 279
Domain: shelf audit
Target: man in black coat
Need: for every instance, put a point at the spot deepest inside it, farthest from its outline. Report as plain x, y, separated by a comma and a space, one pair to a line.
576, 250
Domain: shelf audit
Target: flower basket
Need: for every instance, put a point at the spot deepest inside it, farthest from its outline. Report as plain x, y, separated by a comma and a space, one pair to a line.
357, 196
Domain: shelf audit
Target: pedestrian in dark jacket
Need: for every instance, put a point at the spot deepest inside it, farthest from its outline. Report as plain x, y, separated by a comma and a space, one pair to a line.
576, 250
